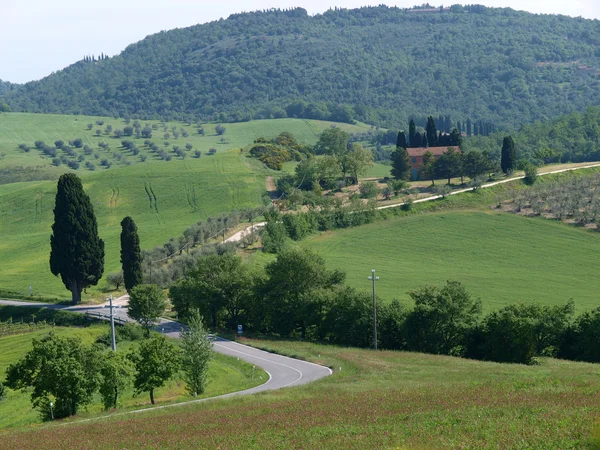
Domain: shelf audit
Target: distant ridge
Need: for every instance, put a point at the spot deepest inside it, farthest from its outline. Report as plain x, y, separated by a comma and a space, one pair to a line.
375, 64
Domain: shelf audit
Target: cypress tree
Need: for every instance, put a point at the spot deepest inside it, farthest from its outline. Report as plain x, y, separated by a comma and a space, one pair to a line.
77, 252
400, 164
431, 132
424, 141
401, 141
130, 254
469, 128
412, 132
509, 155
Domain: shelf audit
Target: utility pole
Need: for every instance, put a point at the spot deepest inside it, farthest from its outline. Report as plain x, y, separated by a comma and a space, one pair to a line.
112, 325
373, 278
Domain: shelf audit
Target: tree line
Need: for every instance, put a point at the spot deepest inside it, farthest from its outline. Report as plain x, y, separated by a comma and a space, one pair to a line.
63, 374
297, 296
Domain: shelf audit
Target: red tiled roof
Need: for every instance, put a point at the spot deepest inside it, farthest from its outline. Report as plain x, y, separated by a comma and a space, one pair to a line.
436, 151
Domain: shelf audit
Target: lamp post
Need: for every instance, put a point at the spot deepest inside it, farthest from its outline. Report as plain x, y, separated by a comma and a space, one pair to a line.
373, 278
51, 411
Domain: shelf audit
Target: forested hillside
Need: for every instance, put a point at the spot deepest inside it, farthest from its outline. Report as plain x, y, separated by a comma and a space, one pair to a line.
571, 138
377, 64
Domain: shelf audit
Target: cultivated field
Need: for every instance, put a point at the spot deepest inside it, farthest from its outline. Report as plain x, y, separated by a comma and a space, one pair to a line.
373, 400
501, 258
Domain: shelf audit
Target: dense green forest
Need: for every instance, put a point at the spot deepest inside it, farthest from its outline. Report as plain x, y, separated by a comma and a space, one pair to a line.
375, 64
571, 138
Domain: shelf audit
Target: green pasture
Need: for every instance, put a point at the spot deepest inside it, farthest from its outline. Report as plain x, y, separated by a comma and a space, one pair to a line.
372, 400
500, 257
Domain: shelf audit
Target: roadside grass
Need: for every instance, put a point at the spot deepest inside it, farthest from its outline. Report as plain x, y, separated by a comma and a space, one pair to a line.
226, 374
377, 400
499, 257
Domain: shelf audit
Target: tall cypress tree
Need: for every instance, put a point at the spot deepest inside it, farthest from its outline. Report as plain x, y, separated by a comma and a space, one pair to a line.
431, 132
508, 160
469, 128
77, 252
401, 141
400, 164
130, 254
412, 132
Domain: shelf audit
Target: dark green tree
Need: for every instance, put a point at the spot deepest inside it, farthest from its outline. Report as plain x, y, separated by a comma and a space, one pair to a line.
400, 164
431, 132
295, 279
469, 128
412, 134
449, 165
508, 160
475, 164
401, 141
77, 252
441, 318
131, 258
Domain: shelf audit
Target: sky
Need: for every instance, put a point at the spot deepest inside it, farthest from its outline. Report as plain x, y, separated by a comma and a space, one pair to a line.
38, 37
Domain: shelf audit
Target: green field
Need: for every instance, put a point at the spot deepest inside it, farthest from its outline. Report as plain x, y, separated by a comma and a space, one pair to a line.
22, 128
499, 257
373, 400
186, 190
226, 374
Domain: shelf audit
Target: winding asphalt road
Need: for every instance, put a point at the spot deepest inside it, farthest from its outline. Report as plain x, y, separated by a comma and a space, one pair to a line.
283, 371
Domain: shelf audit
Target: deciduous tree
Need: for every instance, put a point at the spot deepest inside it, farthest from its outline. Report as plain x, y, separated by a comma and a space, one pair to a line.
197, 352
147, 302
156, 361
57, 369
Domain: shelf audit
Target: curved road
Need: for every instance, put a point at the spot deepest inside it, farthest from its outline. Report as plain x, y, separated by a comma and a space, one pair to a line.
283, 371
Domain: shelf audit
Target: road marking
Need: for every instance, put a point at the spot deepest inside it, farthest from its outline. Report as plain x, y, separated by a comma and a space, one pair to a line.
264, 359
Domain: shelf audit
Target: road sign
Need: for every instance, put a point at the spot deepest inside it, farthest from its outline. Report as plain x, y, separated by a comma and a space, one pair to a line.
240, 329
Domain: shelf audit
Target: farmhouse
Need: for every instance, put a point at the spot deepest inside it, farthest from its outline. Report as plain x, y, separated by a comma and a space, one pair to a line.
416, 158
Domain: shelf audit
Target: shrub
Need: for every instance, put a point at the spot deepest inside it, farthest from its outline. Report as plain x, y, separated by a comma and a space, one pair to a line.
531, 175
368, 189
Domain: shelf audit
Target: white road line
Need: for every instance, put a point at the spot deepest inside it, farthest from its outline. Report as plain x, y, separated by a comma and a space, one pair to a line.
264, 359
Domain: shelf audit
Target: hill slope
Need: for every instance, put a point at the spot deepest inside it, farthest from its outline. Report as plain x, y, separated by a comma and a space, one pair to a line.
499, 257
387, 63
373, 400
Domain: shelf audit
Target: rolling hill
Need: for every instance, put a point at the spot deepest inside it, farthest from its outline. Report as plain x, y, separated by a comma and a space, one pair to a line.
376, 64
186, 190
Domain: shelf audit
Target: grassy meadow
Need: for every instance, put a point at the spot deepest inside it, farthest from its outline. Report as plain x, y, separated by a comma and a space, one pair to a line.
226, 375
500, 257
373, 400
186, 190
